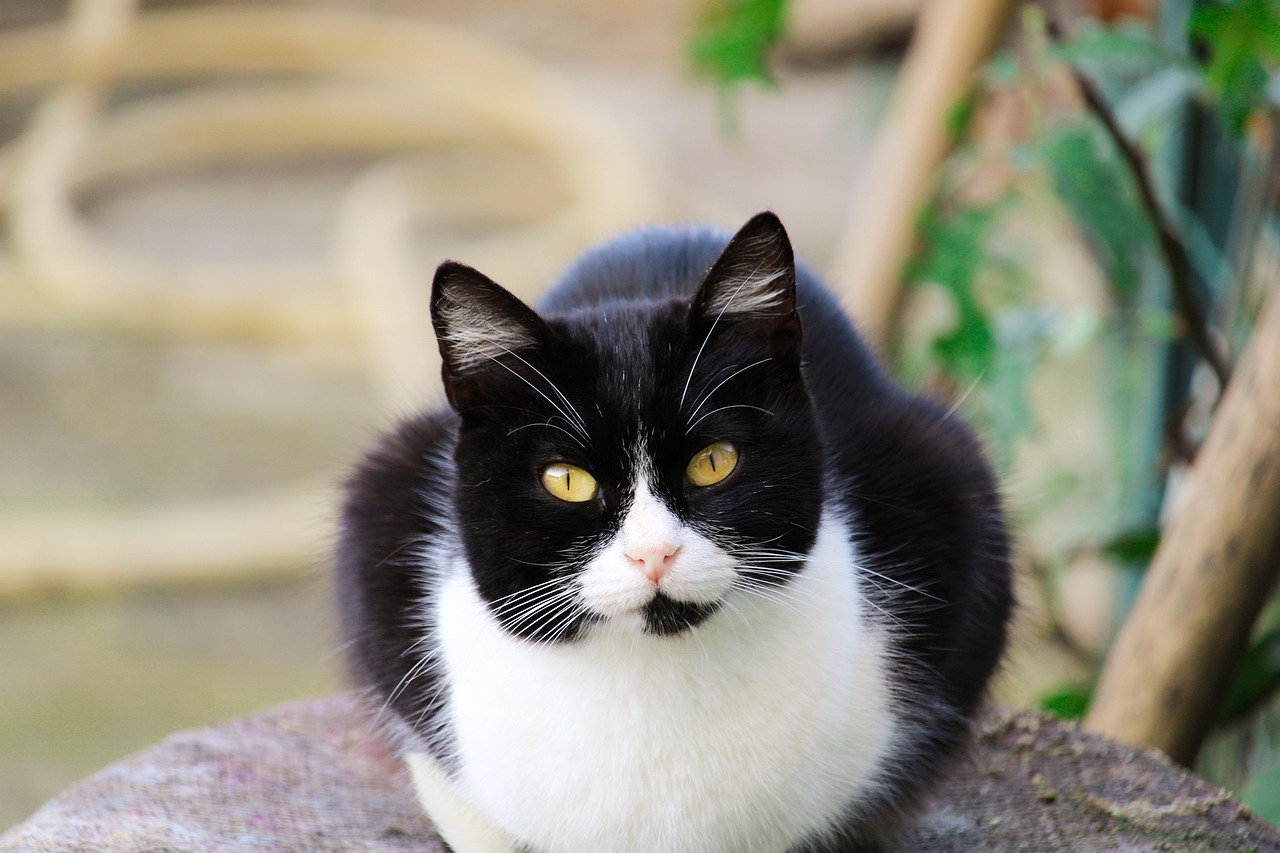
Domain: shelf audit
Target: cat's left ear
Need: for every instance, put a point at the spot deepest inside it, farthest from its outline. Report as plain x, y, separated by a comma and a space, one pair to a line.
752, 286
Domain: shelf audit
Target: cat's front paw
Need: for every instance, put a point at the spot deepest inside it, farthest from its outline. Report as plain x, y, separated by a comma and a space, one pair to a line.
458, 822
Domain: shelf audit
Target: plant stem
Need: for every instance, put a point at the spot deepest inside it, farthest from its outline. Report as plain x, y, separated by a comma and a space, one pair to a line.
1176, 256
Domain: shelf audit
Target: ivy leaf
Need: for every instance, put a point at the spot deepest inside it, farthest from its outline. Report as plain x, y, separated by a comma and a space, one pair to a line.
1024, 334
1135, 547
992, 347
1262, 793
1256, 679
1159, 325
1068, 703
734, 38
1158, 97
960, 115
1116, 51
1103, 201
955, 249
1243, 38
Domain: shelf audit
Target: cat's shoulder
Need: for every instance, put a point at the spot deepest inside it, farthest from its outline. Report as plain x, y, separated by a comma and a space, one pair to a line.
400, 483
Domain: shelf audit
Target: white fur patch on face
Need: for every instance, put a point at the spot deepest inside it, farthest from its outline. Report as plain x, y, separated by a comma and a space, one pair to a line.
697, 571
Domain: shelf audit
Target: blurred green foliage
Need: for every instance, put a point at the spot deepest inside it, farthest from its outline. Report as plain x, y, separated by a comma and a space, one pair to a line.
1069, 702
734, 38
1100, 195
1243, 42
1256, 678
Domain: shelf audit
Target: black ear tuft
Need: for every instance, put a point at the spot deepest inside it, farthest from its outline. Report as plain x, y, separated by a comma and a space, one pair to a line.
753, 281
479, 326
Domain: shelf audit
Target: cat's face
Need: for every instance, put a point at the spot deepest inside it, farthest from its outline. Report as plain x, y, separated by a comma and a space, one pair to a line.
635, 464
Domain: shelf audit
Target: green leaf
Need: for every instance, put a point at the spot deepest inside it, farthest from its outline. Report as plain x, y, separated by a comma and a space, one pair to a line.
955, 249
1135, 546
1243, 38
1158, 98
967, 351
1068, 703
1245, 93
1023, 335
1003, 69
1159, 325
1262, 794
1123, 49
960, 114
1090, 179
995, 343
733, 40
1256, 678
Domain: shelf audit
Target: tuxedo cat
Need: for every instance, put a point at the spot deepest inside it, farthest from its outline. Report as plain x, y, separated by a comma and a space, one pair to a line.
679, 571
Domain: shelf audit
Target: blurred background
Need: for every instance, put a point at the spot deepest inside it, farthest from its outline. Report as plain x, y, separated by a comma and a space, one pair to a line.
220, 219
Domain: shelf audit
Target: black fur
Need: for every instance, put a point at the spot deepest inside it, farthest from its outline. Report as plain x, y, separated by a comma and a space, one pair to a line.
815, 420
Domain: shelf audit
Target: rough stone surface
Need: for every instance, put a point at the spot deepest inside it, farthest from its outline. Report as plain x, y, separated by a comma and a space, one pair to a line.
314, 776
1034, 784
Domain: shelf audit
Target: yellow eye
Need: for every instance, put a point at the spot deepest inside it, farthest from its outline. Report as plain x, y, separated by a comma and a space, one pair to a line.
712, 464
569, 482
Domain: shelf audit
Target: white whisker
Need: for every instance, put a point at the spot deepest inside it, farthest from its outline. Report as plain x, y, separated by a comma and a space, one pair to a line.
955, 407
520, 593
698, 356
580, 423
707, 396
864, 570
576, 421
543, 609
725, 408
530, 603
548, 424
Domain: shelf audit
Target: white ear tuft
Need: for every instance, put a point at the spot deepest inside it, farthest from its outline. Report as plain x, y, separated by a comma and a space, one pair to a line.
476, 320
750, 294
754, 277
473, 333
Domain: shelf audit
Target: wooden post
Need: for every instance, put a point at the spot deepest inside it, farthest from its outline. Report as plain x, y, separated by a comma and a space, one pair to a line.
1215, 568
952, 39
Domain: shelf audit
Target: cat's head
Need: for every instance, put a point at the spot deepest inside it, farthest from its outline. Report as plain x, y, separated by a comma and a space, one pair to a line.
635, 462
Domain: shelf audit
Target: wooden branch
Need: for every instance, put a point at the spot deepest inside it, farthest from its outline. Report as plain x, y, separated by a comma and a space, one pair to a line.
1172, 246
952, 38
823, 29
1215, 568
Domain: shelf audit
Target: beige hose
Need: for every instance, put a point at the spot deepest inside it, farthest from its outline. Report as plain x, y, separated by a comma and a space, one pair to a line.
346, 82
390, 102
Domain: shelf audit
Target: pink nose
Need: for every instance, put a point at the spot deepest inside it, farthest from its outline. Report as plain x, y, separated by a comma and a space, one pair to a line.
653, 561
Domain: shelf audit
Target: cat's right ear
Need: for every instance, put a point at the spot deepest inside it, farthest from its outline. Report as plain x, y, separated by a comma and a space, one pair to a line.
482, 330
752, 287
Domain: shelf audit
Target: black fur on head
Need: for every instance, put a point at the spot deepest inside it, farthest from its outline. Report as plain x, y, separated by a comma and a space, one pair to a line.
630, 388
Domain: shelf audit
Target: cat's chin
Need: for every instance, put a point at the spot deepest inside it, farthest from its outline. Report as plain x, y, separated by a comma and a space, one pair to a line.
666, 617
662, 616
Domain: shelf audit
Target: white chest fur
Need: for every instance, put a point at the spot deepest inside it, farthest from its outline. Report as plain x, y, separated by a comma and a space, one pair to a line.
747, 734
